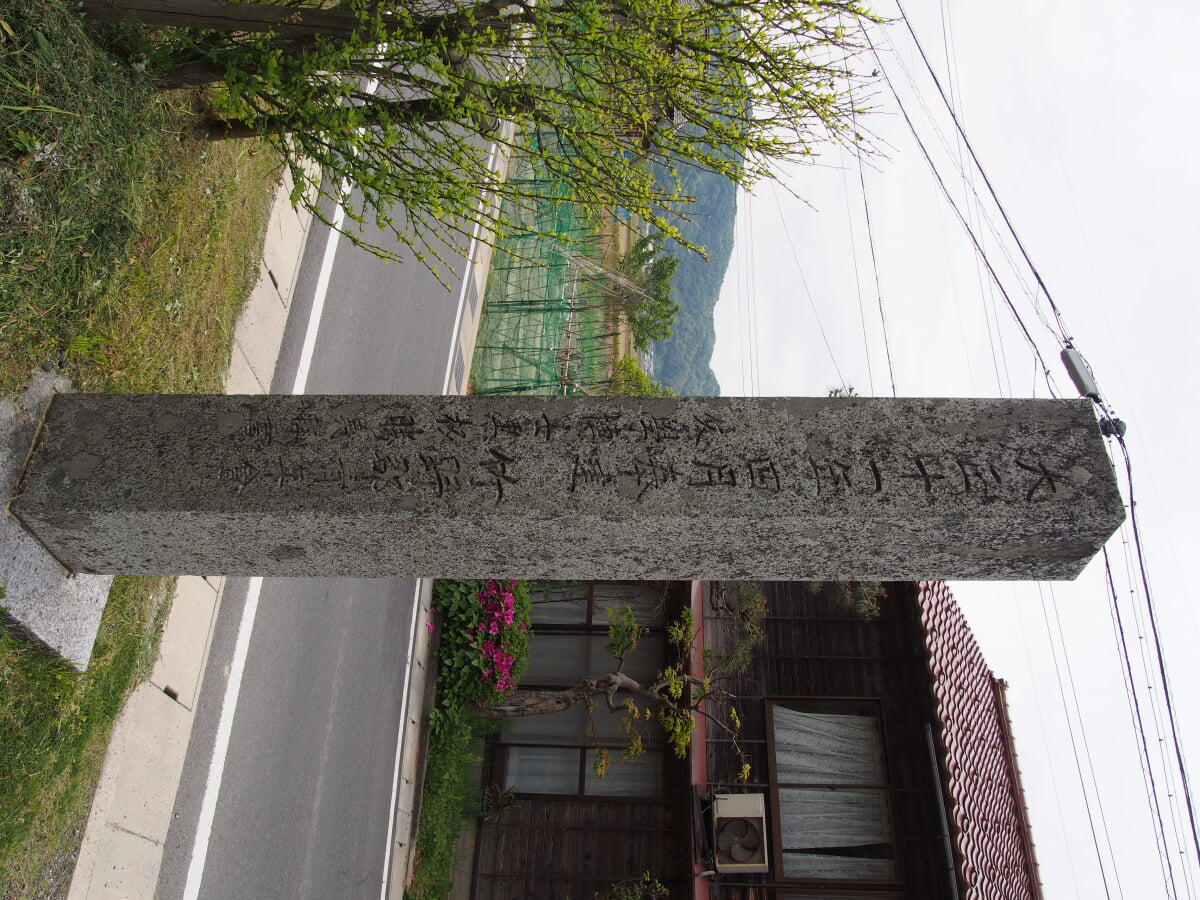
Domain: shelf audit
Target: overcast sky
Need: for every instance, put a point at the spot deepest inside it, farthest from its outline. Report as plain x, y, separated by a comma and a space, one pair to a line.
1084, 117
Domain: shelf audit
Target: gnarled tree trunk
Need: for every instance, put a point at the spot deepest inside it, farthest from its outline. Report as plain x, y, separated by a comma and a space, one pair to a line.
536, 703
217, 15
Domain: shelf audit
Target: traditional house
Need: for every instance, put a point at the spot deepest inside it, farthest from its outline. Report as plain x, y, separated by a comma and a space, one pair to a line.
881, 761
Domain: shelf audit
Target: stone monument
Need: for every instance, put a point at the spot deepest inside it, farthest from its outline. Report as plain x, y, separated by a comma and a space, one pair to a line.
61, 612
658, 488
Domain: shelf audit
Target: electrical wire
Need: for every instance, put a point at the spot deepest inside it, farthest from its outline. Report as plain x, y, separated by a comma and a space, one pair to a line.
752, 310
1154, 703
1062, 818
1064, 336
887, 344
862, 315
1160, 832
974, 239
1160, 660
987, 181
1062, 693
804, 283
1087, 750
743, 275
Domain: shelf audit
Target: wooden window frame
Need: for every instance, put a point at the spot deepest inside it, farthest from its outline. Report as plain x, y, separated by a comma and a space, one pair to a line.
850, 888
592, 628
500, 752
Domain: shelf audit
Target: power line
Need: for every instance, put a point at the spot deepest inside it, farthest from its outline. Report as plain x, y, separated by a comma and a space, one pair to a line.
743, 276
1062, 818
804, 282
752, 307
1160, 833
1162, 667
983, 173
887, 344
974, 240
1062, 693
1112, 427
862, 315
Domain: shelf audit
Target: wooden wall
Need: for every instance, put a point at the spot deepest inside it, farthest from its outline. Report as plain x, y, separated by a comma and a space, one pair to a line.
558, 848
814, 648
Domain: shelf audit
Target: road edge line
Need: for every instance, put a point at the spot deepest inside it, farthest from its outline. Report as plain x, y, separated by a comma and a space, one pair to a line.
216, 768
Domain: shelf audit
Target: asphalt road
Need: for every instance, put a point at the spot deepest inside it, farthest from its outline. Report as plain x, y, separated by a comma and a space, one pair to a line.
305, 805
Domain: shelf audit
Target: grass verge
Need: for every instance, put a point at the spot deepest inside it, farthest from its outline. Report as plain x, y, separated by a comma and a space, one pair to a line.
450, 796
165, 322
55, 728
482, 651
127, 248
127, 245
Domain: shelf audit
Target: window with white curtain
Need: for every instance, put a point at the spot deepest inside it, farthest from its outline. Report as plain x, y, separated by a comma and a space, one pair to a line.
831, 791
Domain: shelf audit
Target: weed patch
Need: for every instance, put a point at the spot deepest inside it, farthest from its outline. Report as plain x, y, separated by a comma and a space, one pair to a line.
127, 245
127, 248
73, 127
55, 728
484, 648
450, 796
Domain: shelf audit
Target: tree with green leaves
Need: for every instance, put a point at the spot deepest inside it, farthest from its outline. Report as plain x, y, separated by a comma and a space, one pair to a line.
675, 698
630, 380
642, 290
644, 888
400, 104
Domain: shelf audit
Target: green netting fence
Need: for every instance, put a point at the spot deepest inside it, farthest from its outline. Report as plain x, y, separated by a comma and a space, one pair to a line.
545, 327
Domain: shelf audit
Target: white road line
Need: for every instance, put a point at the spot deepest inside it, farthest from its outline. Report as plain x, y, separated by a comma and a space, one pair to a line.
216, 768
412, 643
468, 277
322, 290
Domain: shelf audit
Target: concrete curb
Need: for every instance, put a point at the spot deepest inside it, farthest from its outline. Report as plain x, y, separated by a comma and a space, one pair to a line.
122, 849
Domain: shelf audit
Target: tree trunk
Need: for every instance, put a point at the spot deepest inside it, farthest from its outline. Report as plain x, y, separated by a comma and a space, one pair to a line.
214, 128
536, 703
190, 75
286, 21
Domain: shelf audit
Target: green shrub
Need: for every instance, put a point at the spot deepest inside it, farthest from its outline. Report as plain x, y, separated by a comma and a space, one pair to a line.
861, 598
485, 644
644, 888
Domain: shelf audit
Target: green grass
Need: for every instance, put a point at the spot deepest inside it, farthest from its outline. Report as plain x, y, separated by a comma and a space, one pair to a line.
54, 728
73, 127
165, 322
127, 245
450, 796
451, 793
127, 248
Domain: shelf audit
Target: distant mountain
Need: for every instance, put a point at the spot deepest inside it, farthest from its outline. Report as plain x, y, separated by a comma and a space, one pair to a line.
682, 362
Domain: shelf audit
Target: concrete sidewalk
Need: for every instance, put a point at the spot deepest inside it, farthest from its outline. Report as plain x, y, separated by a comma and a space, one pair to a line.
122, 847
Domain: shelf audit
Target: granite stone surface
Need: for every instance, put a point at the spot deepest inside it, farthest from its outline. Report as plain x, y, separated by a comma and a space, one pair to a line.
60, 610
770, 488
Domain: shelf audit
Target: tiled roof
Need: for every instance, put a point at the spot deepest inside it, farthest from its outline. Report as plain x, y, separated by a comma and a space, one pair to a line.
988, 818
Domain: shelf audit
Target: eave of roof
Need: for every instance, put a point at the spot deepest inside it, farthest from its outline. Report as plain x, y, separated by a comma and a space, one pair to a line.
988, 818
